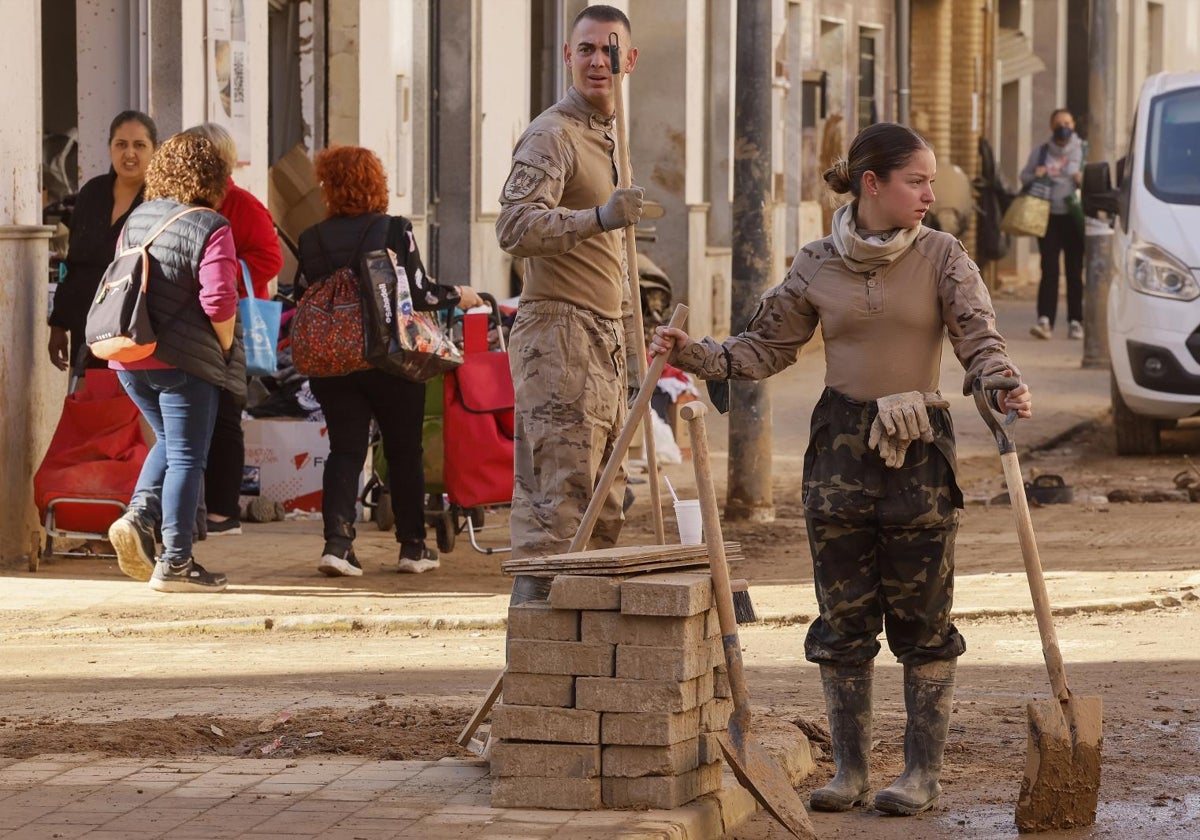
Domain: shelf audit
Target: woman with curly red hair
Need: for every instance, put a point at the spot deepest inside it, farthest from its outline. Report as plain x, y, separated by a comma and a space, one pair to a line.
355, 191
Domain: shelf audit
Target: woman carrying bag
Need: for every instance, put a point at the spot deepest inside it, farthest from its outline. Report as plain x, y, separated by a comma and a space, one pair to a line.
1059, 161
355, 191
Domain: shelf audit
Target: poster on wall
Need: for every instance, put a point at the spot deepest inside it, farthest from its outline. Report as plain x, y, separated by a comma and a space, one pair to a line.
228, 71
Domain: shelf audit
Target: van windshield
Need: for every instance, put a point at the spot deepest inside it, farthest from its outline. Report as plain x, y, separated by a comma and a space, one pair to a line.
1173, 147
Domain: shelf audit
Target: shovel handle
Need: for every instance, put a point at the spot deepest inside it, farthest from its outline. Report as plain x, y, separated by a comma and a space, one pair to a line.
694, 413
979, 389
632, 422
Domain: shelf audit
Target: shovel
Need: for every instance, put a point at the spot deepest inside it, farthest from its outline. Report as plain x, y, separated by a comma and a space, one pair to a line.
587, 524
752, 765
1062, 759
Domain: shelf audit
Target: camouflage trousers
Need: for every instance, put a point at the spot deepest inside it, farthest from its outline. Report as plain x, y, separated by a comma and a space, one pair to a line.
568, 368
882, 539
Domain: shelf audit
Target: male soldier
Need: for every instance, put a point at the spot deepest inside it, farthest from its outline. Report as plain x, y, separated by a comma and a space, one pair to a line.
570, 347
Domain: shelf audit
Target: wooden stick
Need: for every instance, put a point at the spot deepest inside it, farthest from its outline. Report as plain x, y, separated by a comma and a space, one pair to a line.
625, 180
636, 414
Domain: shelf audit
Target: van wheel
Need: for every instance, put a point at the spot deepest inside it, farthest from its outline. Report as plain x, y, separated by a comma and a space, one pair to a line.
1136, 435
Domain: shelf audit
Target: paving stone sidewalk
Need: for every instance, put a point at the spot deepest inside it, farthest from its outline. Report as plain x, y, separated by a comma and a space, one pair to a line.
81, 796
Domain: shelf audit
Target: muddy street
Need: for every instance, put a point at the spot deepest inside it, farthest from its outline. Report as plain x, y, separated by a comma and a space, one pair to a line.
294, 667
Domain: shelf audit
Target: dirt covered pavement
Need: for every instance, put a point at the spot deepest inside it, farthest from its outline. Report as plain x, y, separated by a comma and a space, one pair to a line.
288, 664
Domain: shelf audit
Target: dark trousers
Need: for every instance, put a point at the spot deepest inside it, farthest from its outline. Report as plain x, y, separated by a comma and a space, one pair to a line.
226, 458
398, 406
1063, 236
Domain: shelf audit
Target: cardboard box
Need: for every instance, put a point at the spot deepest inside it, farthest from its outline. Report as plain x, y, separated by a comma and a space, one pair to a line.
285, 461
293, 195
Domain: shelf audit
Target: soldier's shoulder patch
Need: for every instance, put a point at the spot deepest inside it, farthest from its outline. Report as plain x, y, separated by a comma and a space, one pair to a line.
522, 181
962, 268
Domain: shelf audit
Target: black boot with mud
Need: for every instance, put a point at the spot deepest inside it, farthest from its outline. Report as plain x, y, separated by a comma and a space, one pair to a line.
848, 704
928, 698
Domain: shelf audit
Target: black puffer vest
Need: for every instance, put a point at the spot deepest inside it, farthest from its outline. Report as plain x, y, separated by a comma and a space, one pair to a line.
186, 339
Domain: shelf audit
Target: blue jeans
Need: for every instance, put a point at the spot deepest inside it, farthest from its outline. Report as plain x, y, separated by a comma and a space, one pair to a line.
181, 409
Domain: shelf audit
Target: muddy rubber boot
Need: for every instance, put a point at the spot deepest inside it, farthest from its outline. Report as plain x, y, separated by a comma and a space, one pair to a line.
928, 697
848, 704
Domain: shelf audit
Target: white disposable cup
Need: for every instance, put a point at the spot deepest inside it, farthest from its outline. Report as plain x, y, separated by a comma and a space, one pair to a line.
691, 524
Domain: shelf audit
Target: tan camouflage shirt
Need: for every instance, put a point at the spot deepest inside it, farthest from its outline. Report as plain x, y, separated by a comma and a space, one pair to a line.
882, 328
563, 169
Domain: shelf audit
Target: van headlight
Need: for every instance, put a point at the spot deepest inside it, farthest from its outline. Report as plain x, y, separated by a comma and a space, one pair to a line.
1153, 271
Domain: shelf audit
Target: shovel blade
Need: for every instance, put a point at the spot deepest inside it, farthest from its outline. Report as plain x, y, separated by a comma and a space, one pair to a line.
759, 774
1062, 765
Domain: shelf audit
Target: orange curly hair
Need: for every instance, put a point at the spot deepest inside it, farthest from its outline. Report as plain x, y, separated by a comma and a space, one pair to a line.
353, 181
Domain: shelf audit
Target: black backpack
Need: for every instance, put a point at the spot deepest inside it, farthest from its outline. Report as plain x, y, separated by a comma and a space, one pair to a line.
118, 322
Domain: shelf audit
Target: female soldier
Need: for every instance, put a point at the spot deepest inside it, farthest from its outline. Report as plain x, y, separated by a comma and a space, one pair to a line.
881, 524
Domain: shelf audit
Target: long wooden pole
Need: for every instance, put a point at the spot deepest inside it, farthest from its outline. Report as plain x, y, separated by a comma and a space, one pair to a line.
625, 180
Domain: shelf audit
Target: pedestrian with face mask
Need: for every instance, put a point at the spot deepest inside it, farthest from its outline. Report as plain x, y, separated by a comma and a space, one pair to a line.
880, 495
1060, 159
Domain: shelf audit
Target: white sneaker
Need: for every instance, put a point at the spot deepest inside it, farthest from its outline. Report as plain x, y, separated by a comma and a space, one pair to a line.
1075, 330
416, 567
333, 565
1042, 329
416, 558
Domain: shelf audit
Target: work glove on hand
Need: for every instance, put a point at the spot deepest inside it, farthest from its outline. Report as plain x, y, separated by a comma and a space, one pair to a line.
623, 208
902, 418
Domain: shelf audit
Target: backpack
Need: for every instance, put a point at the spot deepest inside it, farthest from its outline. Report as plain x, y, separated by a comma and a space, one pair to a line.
118, 325
327, 329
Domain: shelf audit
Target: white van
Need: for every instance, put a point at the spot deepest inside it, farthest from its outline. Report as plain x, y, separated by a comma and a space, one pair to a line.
1154, 299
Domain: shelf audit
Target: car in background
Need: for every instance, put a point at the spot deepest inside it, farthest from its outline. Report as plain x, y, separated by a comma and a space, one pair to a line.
1154, 298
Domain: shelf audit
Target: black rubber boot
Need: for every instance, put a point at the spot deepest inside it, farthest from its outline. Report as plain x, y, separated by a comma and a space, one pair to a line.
928, 698
848, 704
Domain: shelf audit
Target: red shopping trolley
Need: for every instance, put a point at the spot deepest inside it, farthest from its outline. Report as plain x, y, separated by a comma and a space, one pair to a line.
91, 467
477, 401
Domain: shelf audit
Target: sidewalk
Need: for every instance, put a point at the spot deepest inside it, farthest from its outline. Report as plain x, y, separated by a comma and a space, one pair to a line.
339, 798
271, 566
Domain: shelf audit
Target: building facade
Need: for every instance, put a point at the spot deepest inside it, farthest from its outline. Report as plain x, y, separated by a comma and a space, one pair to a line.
441, 90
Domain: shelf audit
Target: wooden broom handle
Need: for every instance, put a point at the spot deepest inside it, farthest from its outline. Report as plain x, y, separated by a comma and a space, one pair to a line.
678, 317
625, 180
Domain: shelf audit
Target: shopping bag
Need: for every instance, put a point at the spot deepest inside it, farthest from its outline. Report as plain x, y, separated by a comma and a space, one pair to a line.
1028, 215
396, 337
260, 329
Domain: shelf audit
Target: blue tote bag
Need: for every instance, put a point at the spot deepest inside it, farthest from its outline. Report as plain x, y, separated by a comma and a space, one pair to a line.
260, 329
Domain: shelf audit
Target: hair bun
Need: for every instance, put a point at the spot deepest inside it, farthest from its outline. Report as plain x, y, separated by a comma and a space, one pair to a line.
838, 176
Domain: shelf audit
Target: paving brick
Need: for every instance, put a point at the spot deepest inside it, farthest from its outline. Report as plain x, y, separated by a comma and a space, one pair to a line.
634, 761
667, 593
532, 656
712, 624
721, 683
565, 761
649, 630
604, 694
661, 791
717, 652
585, 592
705, 684
714, 715
539, 723
539, 689
649, 728
641, 662
539, 620
708, 748
540, 792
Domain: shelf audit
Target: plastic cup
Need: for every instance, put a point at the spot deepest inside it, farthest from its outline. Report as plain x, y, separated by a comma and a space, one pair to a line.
691, 524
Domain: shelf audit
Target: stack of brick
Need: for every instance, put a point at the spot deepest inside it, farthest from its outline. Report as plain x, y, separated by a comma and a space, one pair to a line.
614, 692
